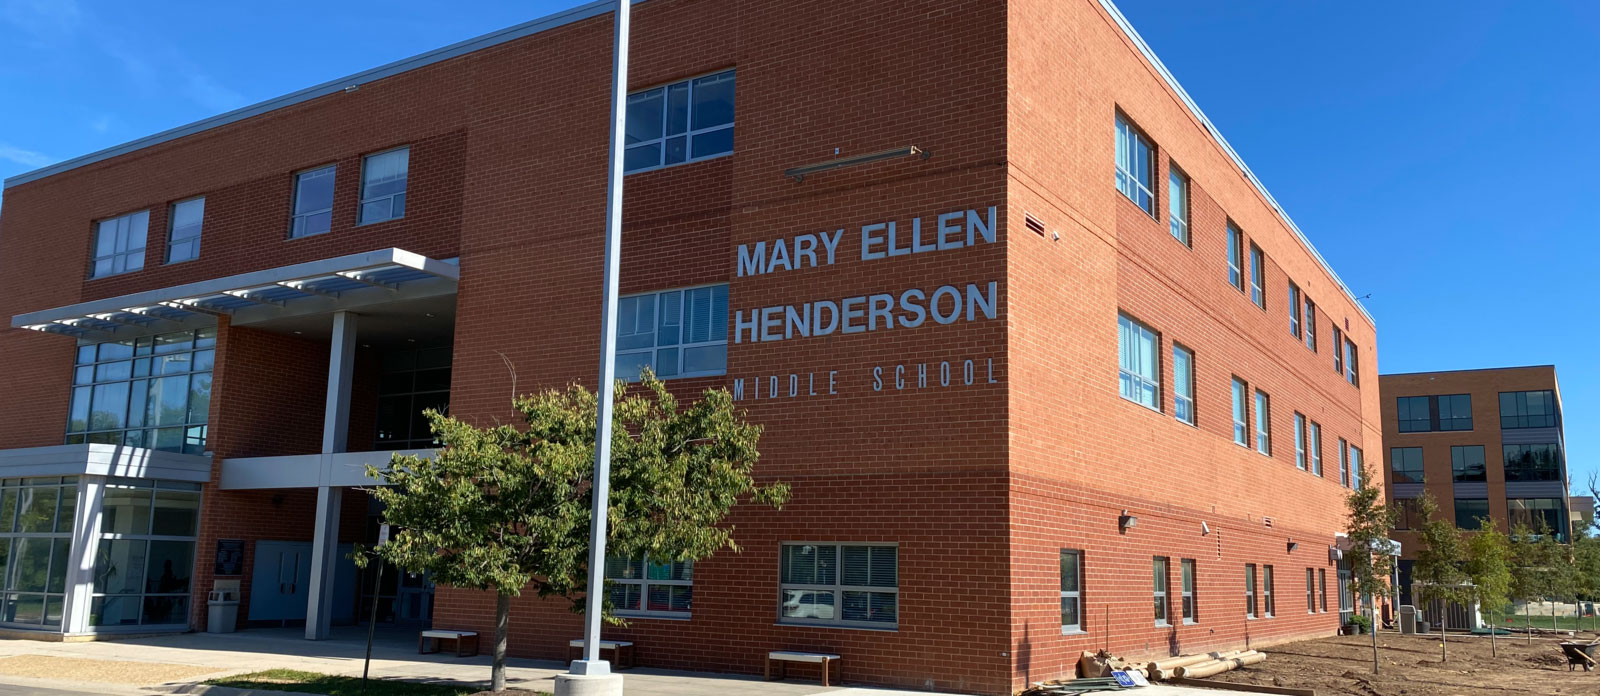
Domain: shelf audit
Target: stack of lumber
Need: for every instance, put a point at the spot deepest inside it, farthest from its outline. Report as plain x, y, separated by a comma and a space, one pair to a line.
1195, 666
1103, 663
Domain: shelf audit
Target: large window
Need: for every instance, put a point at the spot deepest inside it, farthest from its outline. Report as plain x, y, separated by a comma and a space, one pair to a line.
183, 233
678, 333
1183, 379
1241, 434
1528, 409
152, 392
1311, 325
36, 517
839, 584
1470, 513
1235, 256
1467, 464
119, 244
1071, 591
1136, 164
1344, 463
1352, 373
1316, 448
1455, 412
383, 185
1139, 362
411, 381
1299, 441
1414, 413
1159, 586
1269, 605
641, 586
313, 202
1407, 514
1355, 467
1250, 590
1295, 308
1178, 205
143, 565
1406, 464
681, 122
1258, 277
1191, 611
1263, 424
1542, 515
1532, 462
1421, 414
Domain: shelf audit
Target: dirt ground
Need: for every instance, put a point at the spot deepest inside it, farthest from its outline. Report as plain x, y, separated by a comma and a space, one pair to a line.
109, 671
1410, 666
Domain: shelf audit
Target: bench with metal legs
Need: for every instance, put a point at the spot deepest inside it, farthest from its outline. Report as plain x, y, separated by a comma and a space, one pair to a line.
784, 657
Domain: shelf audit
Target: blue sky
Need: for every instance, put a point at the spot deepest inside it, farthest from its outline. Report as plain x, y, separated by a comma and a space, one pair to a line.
1437, 153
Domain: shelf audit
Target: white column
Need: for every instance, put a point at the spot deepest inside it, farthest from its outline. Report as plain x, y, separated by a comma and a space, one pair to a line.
335, 434
85, 541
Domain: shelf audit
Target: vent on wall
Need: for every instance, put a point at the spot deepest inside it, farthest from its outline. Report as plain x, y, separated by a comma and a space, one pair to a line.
1033, 223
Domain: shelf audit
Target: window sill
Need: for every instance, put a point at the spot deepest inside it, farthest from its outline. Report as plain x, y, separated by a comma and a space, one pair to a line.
379, 222
308, 236
114, 275
188, 260
1073, 632
837, 627
1142, 404
678, 164
631, 616
1188, 622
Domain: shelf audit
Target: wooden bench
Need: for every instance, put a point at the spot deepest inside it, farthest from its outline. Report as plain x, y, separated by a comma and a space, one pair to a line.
462, 639
621, 651
783, 657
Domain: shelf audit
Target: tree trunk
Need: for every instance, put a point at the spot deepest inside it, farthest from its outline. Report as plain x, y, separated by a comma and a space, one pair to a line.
1527, 617
1494, 650
502, 621
1444, 608
1374, 613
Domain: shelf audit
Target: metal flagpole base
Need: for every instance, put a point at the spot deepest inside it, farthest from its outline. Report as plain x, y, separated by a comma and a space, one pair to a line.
602, 684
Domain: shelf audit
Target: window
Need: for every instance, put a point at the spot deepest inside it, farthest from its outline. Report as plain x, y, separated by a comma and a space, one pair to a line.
1322, 589
1178, 205
1470, 513
1191, 612
1355, 467
383, 185
147, 531
1316, 448
152, 392
1467, 464
1352, 372
1135, 165
682, 122
1241, 435
1541, 515
1250, 590
1266, 592
1258, 276
1338, 354
1532, 462
1263, 424
1311, 325
1528, 409
1294, 309
1455, 412
1407, 515
1235, 256
1414, 413
641, 586
839, 584
678, 333
1406, 464
1311, 594
1071, 591
36, 516
313, 202
410, 382
183, 233
1160, 589
1344, 463
119, 244
1183, 379
1300, 441
1139, 374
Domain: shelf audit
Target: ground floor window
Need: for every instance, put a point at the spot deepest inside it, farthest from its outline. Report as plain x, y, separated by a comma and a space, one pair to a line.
36, 517
1266, 591
1191, 612
1311, 594
642, 586
839, 584
1250, 590
145, 558
1071, 591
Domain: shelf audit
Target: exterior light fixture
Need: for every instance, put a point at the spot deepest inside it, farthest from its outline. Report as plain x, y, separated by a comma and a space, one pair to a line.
1205, 529
799, 173
1293, 545
1126, 521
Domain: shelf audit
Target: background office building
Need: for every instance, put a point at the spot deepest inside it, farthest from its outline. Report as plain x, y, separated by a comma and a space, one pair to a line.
1049, 371
1483, 443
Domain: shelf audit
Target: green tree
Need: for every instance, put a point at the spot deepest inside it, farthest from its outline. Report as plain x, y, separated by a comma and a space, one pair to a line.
1561, 575
1369, 559
1489, 567
1586, 564
1527, 572
506, 508
1440, 553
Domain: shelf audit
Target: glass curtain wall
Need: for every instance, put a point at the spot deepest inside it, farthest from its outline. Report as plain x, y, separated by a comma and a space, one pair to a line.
35, 548
152, 392
145, 559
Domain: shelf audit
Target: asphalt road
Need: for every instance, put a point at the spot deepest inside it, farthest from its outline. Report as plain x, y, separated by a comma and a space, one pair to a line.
14, 690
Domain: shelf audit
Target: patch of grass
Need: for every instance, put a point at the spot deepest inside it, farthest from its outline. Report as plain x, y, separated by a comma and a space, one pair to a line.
314, 683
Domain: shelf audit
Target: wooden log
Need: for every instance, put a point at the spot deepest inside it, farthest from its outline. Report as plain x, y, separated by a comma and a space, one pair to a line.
1172, 663
1204, 669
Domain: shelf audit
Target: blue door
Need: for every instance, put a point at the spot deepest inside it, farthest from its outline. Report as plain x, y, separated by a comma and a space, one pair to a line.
281, 580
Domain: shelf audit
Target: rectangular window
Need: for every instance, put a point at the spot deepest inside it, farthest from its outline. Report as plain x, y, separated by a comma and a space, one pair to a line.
1542, 515
1415, 414
677, 333
36, 518
313, 202
1344, 463
1407, 515
1405, 463
1250, 590
1135, 166
1294, 309
641, 586
147, 528
152, 392
1455, 412
1241, 434
1467, 463
1183, 379
1316, 448
1178, 205
1311, 325
1532, 462
1071, 591
1263, 424
1528, 409
383, 185
1355, 467
1352, 370
183, 232
1159, 568
119, 244
1338, 351
1235, 256
1470, 513
1191, 611
410, 382
1258, 276
1311, 593
682, 122
1267, 601
1140, 375
1322, 589
839, 584
1299, 441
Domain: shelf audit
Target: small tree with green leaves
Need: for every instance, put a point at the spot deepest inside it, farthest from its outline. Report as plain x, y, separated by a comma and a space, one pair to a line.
1369, 559
1561, 577
505, 508
1437, 574
1489, 567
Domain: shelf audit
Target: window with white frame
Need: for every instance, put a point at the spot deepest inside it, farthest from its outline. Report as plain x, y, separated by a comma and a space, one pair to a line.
183, 233
1352, 372
1139, 374
1311, 325
1267, 603
313, 202
1316, 448
1295, 308
681, 122
1322, 590
1071, 591
1311, 595
36, 516
839, 584
1258, 277
1263, 424
1250, 590
145, 559
1299, 441
1159, 585
641, 586
1344, 463
1338, 351
119, 244
1136, 165
1178, 205
1191, 611
1183, 379
152, 392
1235, 256
676, 333
383, 185
1355, 467
1241, 434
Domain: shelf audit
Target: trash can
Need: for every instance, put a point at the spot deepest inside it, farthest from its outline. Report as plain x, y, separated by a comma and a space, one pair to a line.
223, 612
1408, 619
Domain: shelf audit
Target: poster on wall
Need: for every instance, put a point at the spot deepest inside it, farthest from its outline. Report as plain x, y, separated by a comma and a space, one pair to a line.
230, 557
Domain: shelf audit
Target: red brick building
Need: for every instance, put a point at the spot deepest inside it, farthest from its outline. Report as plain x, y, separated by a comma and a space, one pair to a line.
1053, 372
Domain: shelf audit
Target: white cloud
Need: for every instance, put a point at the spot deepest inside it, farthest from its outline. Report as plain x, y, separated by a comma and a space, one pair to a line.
26, 158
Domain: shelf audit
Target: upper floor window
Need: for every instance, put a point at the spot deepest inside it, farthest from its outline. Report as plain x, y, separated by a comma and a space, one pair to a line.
1311, 325
1140, 376
1355, 467
1263, 424
1316, 448
1408, 514
1299, 441
1455, 412
1135, 166
839, 584
1532, 462
642, 586
1178, 205
313, 202
1235, 256
1528, 409
383, 185
681, 122
1414, 413
1467, 463
1471, 512
1536, 514
1406, 464
1241, 396
1071, 591
1183, 377
1344, 463
152, 392
1420, 414
677, 333
1294, 309
1258, 276
1352, 371
183, 234
1338, 351
119, 244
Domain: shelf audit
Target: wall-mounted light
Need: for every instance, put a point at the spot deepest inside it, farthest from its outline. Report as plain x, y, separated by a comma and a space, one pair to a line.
1205, 529
1126, 521
1334, 554
1293, 545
